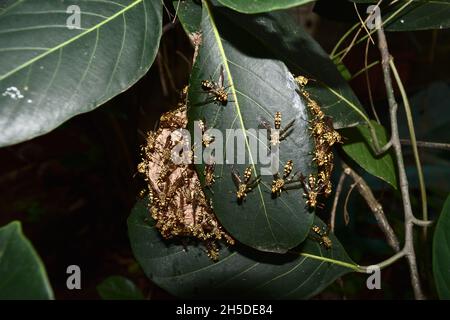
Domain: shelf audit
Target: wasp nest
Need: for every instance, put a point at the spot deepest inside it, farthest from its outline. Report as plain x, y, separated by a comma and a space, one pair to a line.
177, 202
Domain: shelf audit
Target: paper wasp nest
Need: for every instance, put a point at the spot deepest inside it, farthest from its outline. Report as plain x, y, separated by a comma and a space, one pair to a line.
177, 202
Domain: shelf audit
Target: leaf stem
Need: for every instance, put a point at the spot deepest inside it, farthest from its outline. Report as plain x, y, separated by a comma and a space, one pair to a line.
354, 267
341, 40
369, 66
385, 263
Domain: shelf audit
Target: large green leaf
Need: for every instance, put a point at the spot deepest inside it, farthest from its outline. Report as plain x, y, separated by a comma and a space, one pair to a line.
260, 86
22, 274
253, 50
418, 15
359, 148
258, 6
280, 36
119, 288
422, 15
441, 253
50, 73
186, 271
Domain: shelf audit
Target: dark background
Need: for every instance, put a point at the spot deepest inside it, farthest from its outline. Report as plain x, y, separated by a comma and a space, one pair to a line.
73, 188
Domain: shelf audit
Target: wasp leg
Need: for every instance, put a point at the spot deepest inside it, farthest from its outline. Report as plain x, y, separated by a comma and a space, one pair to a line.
291, 186
254, 183
236, 177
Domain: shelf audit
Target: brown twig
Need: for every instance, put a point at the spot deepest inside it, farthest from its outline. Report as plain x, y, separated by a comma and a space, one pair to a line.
426, 144
347, 197
404, 188
375, 207
336, 200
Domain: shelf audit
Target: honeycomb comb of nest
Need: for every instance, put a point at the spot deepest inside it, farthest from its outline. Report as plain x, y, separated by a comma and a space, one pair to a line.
177, 201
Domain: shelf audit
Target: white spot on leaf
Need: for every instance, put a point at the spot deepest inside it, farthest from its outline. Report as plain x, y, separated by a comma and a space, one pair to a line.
13, 93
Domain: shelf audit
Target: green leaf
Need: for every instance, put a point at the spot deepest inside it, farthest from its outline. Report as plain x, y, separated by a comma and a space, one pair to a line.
418, 15
186, 271
259, 86
280, 36
190, 14
358, 145
422, 15
50, 73
258, 6
441, 252
119, 288
22, 273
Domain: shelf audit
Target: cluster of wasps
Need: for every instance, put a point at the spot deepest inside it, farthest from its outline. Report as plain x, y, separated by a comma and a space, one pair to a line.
283, 182
177, 201
325, 137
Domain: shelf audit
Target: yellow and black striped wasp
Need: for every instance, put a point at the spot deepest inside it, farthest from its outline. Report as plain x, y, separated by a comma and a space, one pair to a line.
276, 134
216, 89
244, 185
321, 236
312, 189
284, 182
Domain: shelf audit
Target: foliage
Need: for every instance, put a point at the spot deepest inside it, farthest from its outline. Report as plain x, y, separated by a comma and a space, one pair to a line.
50, 73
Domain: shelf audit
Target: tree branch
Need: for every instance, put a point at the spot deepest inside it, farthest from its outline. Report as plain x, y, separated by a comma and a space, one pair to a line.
395, 139
335, 201
426, 144
374, 206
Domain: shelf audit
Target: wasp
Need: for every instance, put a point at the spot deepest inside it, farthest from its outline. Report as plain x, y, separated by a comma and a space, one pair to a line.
328, 188
165, 152
325, 133
163, 199
283, 183
220, 95
323, 157
323, 237
208, 172
164, 157
312, 188
318, 127
244, 185
276, 133
163, 175
173, 119
330, 137
206, 138
313, 106
323, 178
142, 167
301, 81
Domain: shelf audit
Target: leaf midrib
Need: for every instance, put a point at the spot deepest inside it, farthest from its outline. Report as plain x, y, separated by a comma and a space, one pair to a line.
67, 42
238, 110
